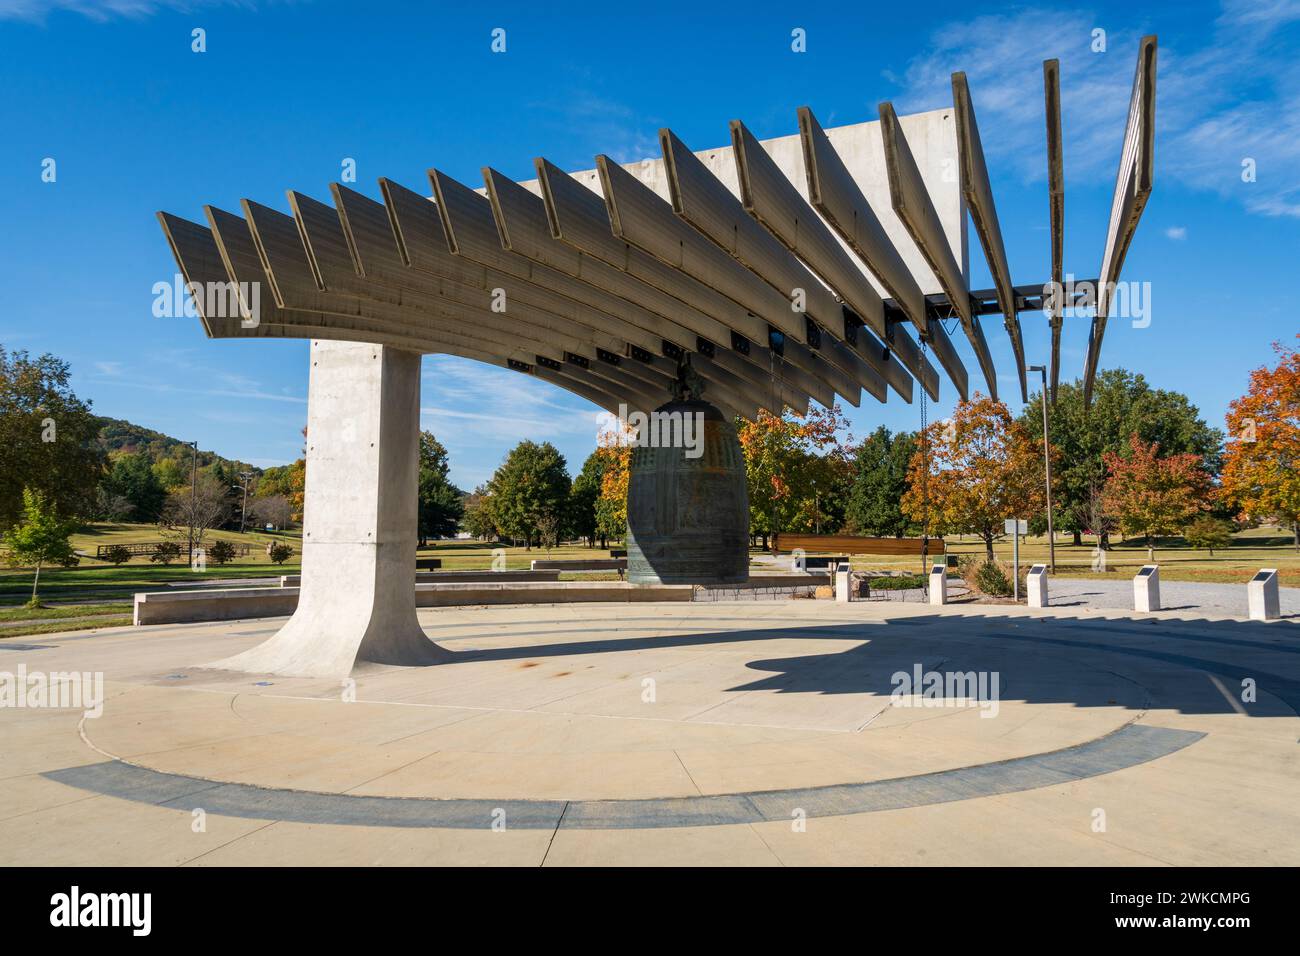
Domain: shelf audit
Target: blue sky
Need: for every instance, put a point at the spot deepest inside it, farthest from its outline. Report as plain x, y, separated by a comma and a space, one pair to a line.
137, 122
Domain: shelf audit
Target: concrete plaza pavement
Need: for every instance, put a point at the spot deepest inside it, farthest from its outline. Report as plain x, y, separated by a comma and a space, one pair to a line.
751, 733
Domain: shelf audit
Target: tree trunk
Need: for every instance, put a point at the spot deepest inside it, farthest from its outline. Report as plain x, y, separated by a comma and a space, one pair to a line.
36, 581
1078, 539
988, 546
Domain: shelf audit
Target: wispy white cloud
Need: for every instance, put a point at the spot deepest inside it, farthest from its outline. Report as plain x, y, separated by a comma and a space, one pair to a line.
1176, 232
479, 411
177, 362
36, 11
609, 126
1222, 104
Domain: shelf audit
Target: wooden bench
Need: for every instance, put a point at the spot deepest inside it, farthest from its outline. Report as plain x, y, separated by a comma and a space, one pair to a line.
428, 564
855, 544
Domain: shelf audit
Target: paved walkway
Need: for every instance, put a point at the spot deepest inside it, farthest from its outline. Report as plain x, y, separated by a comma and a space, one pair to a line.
764, 733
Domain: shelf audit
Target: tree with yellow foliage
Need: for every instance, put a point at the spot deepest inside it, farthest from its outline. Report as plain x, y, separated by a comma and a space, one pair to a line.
797, 469
615, 455
983, 467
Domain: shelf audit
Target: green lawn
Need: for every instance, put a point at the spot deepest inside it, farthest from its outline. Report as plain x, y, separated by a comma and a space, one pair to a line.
59, 626
64, 611
98, 581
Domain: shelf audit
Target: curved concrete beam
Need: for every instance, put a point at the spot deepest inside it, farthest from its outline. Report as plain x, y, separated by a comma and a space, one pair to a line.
577, 216
1133, 185
702, 201
913, 206
983, 212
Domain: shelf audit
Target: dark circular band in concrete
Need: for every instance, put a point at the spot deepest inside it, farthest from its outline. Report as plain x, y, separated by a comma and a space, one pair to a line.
1129, 746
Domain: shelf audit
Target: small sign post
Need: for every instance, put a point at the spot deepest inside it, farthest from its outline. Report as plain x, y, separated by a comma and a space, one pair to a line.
1262, 596
1146, 588
1015, 529
843, 583
938, 584
1036, 584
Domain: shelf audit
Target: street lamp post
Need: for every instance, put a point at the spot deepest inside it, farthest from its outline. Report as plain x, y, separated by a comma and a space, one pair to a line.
194, 474
1047, 469
244, 477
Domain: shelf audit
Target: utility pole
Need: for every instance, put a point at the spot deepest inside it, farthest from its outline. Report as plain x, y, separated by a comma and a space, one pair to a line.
194, 475
245, 477
1047, 469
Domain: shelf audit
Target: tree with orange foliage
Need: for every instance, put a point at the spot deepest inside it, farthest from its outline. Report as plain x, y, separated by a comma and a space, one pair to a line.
1150, 495
796, 469
983, 468
1261, 468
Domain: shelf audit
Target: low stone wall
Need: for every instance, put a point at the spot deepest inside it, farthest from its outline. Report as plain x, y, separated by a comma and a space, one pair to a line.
584, 564
559, 592
793, 580
225, 604
236, 603
455, 577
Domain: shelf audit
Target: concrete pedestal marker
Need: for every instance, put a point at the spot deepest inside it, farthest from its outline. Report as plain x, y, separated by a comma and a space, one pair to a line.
357, 597
1262, 596
843, 583
1146, 588
938, 584
1036, 585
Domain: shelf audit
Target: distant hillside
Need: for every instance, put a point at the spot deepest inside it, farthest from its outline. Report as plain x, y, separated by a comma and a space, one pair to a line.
118, 436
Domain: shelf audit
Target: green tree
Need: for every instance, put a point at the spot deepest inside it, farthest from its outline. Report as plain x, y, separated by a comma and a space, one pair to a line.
133, 478
221, 552
48, 439
1209, 532
796, 469
117, 555
1123, 404
874, 505
478, 519
172, 473
441, 507
166, 552
531, 484
39, 537
584, 497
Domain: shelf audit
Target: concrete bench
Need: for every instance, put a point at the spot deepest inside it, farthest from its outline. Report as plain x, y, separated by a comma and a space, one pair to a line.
855, 544
821, 562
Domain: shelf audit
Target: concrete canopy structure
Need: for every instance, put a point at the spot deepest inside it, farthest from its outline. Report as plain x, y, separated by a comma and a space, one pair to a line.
775, 273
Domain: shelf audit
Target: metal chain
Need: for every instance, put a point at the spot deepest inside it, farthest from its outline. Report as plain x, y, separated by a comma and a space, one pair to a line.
925, 475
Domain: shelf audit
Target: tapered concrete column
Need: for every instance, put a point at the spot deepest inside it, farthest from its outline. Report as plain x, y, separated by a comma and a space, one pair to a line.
357, 598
